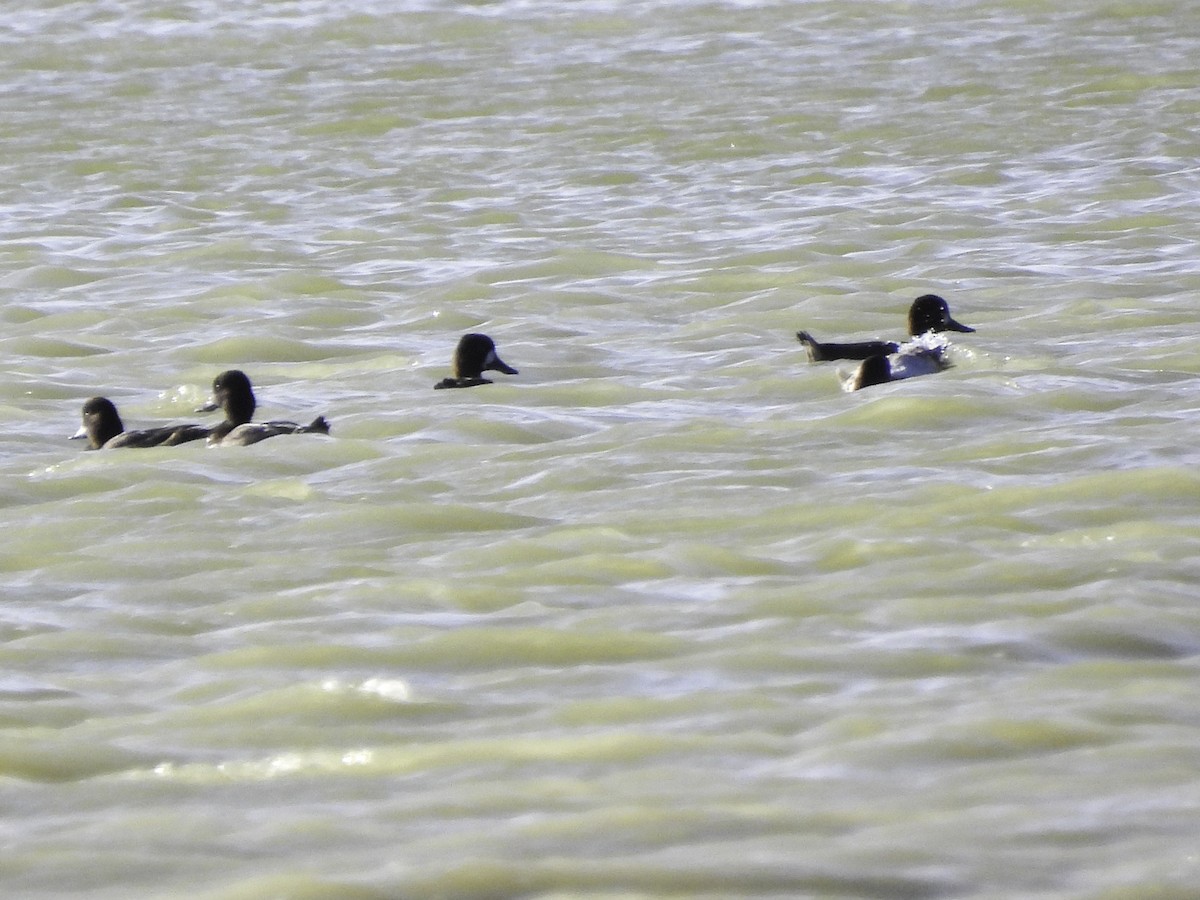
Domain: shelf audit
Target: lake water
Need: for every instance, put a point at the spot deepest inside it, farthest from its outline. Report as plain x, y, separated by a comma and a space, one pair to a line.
667, 614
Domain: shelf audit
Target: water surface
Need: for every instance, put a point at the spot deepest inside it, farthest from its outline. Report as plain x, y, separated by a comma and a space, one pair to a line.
667, 614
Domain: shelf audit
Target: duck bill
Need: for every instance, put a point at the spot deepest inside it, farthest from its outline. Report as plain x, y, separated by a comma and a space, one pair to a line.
208, 407
80, 434
499, 365
951, 325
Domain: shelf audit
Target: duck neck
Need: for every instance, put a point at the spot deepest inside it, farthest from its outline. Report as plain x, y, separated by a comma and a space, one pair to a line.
239, 411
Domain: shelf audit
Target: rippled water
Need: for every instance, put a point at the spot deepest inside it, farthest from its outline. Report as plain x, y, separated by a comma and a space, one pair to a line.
667, 614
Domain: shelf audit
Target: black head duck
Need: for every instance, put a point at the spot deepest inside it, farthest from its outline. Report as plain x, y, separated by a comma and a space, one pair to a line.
233, 394
103, 429
474, 355
928, 313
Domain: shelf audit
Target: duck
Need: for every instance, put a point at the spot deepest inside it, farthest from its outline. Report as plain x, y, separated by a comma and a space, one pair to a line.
928, 313
232, 393
923, 355
474, 354
104, 430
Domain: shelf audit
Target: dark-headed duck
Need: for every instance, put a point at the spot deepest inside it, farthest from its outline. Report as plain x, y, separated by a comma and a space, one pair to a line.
475, 354
103, 428
928, 313
233, 394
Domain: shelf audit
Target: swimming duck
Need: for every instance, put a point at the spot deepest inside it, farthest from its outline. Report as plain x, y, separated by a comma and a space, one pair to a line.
922, 355
103, 429
474, 354
232, 393
928, 313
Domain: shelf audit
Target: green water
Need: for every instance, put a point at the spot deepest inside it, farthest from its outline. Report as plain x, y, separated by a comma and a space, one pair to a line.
667, 614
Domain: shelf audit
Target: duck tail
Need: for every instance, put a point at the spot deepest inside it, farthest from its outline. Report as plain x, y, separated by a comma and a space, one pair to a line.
811, 346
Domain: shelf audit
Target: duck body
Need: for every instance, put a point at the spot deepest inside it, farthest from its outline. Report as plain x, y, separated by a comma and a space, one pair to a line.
474, 355
448, 383
166, 436
104, 430
924, 355
252, 432
233, 393
928, 314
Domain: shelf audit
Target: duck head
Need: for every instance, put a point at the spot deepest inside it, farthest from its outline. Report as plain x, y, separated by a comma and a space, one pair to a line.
929, 312
475, 354
233, 394
101, 423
